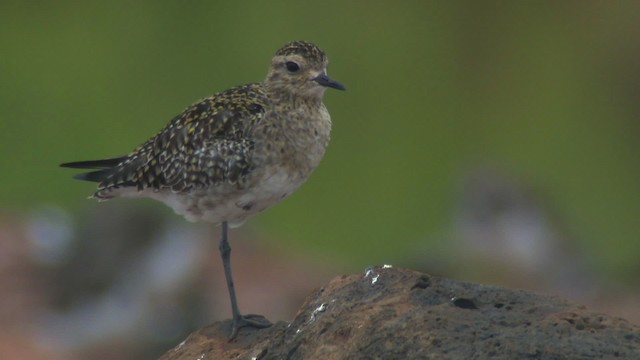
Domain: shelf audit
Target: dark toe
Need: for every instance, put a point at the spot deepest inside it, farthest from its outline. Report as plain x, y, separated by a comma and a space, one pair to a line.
249, 320
254, 320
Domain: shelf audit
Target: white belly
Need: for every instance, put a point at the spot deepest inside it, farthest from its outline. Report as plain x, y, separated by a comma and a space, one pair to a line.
227, 202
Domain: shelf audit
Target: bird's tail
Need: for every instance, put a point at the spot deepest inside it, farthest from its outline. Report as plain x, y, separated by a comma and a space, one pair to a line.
105, 168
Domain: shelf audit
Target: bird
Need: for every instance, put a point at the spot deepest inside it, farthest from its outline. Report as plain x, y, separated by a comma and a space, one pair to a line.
233, 154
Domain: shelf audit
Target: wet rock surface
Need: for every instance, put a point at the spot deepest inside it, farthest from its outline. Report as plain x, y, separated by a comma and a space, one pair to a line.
390, 313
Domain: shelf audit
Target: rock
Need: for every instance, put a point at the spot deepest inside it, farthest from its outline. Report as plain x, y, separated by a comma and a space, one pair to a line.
389, 313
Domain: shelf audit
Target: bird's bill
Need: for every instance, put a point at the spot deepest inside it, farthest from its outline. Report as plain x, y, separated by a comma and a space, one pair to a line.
324, 80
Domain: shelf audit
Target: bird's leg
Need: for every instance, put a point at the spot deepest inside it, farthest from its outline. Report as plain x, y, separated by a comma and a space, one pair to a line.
239, 320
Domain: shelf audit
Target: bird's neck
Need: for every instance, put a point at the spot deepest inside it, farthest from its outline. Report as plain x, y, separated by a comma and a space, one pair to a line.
284, 95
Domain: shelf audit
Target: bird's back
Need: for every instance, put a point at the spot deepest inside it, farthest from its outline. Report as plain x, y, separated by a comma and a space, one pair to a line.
206, 145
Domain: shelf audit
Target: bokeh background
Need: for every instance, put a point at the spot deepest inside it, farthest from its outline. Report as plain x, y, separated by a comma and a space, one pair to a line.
489, 141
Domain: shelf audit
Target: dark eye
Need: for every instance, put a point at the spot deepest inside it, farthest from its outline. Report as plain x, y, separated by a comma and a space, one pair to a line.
292, 67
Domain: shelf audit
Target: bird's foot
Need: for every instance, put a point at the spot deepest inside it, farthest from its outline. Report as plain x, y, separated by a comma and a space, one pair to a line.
253, 320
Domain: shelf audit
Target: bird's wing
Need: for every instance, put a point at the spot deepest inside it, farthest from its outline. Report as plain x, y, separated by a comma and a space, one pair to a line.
205, 145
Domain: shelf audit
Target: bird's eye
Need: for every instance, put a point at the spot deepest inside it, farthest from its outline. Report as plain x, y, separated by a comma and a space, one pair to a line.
292, 67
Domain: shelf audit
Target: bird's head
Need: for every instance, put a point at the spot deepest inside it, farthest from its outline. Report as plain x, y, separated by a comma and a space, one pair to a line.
300, 69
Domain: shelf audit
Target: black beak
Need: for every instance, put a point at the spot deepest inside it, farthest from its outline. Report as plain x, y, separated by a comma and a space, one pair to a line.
324, 80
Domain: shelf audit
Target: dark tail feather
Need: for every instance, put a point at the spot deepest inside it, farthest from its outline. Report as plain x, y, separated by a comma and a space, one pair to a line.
105, 168
95, 164
95, 176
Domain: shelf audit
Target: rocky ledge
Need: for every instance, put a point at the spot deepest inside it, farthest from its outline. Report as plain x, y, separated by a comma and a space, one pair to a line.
392, 313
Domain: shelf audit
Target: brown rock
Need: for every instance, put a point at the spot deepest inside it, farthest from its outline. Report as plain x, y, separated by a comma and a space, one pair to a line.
389, 313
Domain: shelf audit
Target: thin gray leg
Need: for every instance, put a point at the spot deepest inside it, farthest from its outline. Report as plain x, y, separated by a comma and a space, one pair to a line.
239, 320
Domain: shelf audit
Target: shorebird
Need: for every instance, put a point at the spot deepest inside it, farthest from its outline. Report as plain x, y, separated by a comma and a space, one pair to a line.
233, 154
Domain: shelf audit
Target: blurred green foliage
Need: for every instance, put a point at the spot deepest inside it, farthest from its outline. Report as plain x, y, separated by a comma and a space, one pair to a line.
545, 89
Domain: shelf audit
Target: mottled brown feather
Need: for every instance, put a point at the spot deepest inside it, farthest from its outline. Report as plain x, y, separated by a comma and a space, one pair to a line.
206, 144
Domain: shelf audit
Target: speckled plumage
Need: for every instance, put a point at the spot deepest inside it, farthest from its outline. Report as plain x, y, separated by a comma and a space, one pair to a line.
234, 153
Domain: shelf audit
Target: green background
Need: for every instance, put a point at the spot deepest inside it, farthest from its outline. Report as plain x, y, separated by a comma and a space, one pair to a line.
546, 90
